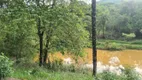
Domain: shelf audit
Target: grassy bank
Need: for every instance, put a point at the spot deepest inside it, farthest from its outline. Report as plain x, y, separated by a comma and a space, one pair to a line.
119, 45
40, 73
44, 74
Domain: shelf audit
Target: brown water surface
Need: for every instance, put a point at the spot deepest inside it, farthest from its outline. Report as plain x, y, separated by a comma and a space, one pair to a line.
126, 57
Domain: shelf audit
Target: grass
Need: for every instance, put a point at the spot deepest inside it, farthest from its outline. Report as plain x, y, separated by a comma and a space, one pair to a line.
119, 45
45, 74
34, 72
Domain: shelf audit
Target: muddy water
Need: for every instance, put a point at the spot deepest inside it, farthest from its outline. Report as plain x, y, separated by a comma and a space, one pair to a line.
126, 57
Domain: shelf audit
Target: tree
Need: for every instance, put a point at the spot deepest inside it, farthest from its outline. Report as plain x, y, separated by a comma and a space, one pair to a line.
136, 21
94, 37
65, 31
56, 17
18, 40
102, 18
40, 32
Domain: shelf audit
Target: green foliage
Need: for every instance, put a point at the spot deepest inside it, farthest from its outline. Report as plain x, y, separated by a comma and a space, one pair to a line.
115, 19
5, 66
138, 42
109, 76
128, 36
18, 31
130, 46
130, 74
112, 46
69, 32
109, 45
119, 45
62, 25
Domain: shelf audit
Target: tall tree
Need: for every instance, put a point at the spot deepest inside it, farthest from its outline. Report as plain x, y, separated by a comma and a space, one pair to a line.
94, 37
40, 34
65, 31
62, 25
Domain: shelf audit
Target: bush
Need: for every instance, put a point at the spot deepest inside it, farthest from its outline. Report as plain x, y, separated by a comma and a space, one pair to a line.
131, 74
128, 74
5, 66
108, 76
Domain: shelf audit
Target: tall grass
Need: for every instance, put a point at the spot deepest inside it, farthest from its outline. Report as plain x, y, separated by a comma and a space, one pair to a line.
42, 73
45, 74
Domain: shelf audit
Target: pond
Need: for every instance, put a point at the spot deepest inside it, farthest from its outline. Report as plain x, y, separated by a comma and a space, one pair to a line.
106, 57
126, 57
107, 60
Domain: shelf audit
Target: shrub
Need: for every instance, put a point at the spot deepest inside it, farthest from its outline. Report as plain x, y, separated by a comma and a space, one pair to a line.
109, 76
128, 74
5, 66
131, 74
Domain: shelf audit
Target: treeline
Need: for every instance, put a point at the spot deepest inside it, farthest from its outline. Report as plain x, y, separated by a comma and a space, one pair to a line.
117, 20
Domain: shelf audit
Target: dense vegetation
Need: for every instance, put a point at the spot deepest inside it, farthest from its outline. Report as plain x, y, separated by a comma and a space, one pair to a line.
29, 27
119, 20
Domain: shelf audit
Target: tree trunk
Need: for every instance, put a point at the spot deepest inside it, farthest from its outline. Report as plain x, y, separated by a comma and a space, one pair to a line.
40, 34
49, 34
41, 50
94, 37
48, 39
46, 57
46, 52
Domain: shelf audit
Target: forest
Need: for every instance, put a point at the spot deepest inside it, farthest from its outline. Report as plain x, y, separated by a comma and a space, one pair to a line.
52, 39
